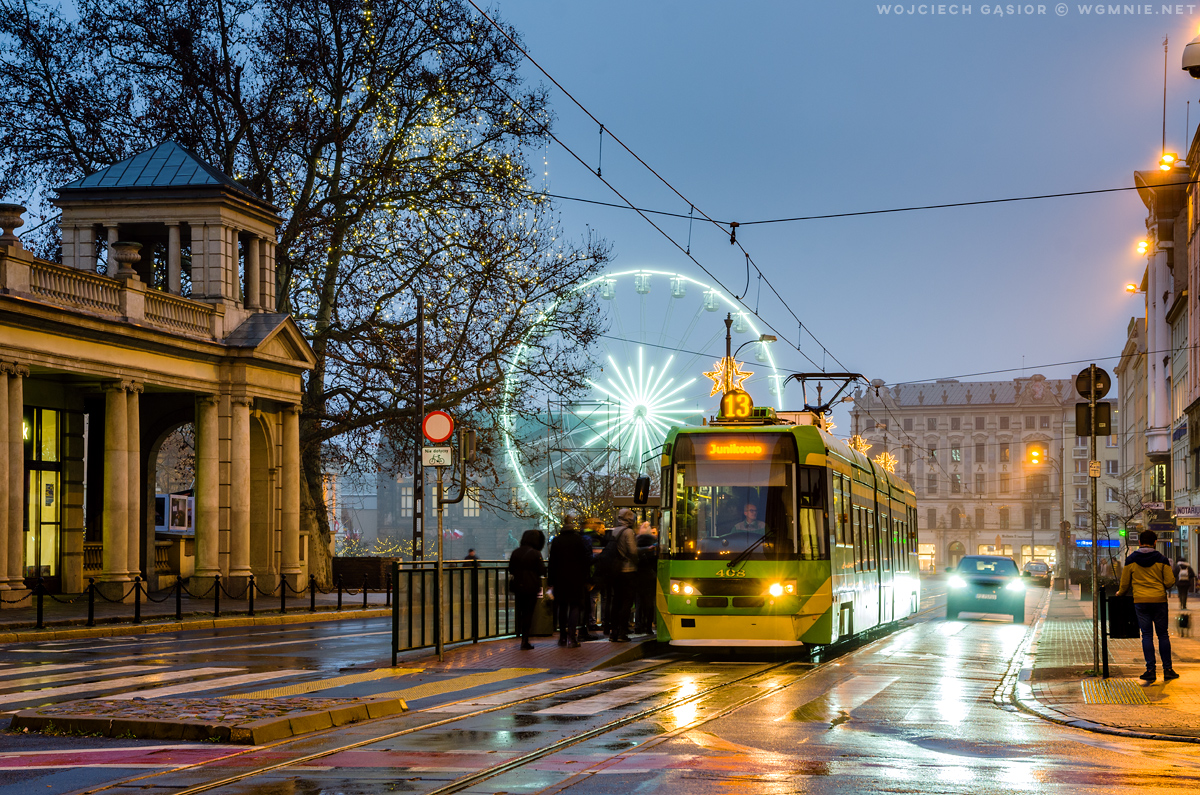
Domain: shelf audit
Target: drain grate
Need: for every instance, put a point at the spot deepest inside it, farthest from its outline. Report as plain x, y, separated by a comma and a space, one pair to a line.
1113, 691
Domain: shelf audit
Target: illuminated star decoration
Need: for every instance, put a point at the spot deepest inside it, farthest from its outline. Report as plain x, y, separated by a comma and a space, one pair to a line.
887, 461
858, 444
645, 415
727, 376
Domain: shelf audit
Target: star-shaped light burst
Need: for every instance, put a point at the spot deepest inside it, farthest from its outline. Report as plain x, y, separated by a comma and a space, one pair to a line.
886, 460
858, 444
645, 415
727, 376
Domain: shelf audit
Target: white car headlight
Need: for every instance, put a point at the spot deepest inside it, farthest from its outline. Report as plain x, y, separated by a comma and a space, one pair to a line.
957, 582
1015, 585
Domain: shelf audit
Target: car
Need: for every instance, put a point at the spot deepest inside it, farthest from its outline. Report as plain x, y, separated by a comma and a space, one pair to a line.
986, 584
1038, 572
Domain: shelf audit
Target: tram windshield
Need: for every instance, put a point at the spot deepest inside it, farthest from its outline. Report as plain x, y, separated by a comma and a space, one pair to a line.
742, 495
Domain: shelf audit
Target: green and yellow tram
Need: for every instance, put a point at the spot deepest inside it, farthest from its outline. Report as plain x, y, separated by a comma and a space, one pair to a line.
775, 533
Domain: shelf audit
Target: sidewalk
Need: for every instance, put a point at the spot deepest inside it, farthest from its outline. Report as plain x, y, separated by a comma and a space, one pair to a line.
1058, 683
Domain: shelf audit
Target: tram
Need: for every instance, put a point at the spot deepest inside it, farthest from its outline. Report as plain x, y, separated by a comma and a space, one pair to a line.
775, 533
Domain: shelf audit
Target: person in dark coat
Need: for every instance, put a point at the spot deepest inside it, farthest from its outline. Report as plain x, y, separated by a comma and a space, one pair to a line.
526, 568
647, 578
570, 568
624, 536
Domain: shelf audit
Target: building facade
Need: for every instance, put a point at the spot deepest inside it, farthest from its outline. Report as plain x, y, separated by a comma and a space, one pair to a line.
160, 315
996, 465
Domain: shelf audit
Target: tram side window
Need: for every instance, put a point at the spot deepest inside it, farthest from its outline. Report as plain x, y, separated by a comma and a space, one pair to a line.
856, 531
839, 510
810, 493
870, 532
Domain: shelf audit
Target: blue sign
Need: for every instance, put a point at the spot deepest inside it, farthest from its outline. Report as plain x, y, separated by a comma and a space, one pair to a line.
1104, 542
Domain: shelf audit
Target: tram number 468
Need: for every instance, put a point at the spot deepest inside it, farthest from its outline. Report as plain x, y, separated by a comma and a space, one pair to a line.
724, 572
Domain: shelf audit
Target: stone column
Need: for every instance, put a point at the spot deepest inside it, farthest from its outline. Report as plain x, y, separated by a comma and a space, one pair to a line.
208, 487
85, 249
4, 475
239, 497
70, 254
199, 261
16, 477
174, 249
111, 267
290, 519
134, 448
253, 273
115, 559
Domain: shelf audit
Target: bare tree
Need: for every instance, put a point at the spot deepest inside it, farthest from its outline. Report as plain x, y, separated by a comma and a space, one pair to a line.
394, 136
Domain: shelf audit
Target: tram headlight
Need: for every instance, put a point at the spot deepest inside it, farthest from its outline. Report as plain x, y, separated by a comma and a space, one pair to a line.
780, 588
957, 582
679, 587
776, 589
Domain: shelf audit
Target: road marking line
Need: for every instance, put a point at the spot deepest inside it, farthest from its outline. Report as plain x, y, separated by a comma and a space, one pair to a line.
327, 684
25, 670
217, 648
207, 684
93, 671
443, 686
110, 684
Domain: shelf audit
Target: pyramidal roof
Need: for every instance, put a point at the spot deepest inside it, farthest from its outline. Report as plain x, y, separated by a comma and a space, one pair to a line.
167, 165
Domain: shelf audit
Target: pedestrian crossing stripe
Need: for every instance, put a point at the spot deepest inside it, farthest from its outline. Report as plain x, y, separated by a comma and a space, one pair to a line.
327, 684
207, 684
32, 682
443, 686
52, 693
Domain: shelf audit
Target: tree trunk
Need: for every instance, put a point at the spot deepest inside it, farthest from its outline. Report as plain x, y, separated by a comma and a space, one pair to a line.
314, 516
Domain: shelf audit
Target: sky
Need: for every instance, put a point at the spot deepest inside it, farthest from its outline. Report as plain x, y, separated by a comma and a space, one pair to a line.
767, 109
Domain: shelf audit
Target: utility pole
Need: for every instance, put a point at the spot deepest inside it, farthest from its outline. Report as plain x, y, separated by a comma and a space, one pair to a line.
1092, 476
418, 470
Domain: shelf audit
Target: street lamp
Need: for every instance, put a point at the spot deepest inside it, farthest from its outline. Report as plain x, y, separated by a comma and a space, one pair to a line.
1039, 455
762, 341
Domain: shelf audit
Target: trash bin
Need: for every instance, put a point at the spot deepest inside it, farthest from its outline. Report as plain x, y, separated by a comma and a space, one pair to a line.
543, 615
1122, 620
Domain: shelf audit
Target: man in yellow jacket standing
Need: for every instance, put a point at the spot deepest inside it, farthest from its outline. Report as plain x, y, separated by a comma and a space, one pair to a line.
1148, 573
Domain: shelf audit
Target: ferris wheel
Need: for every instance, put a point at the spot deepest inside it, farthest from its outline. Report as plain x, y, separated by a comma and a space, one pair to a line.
664, 330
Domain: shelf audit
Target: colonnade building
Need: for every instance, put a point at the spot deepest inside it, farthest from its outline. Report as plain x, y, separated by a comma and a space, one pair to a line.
159, 316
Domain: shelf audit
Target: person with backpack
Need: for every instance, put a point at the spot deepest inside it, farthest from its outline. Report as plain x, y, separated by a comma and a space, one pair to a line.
569, 572
617, 564
1185, 579
1147, 573
526, 569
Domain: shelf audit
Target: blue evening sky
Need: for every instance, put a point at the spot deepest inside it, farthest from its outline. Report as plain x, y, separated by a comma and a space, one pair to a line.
768, 109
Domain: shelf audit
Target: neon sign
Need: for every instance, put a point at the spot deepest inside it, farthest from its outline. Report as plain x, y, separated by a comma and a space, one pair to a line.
733, 450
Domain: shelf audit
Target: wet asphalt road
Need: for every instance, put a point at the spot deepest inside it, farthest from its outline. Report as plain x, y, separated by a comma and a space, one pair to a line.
910, 712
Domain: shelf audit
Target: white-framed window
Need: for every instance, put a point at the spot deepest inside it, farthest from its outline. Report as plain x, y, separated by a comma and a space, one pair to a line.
406, 500
1081, 494
470, 504
1112, 467
1110, 494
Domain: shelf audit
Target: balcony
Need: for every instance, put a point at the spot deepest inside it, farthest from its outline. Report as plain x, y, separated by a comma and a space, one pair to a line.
124, 300
1041, 496
1079, 452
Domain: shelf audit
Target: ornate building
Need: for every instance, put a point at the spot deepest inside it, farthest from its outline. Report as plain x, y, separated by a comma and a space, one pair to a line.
996, 465
160, 315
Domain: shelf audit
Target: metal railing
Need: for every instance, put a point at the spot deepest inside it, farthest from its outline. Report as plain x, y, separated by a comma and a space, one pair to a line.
476, 603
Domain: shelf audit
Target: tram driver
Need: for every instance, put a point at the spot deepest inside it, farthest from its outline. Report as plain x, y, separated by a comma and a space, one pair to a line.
751, 524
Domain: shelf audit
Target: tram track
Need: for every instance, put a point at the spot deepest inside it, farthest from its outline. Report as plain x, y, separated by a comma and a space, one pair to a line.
831, 653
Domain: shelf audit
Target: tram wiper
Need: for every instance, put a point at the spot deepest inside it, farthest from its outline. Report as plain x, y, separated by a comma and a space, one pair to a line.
746, 552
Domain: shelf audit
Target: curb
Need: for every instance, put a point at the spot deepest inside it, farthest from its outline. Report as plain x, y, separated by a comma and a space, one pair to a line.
646, 648
256, 732
185, 626
1018, 692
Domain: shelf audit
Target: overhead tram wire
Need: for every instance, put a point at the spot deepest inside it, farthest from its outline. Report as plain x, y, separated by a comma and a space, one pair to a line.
608, 184
730, 227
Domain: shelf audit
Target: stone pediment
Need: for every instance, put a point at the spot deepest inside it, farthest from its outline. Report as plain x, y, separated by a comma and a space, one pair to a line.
275, 336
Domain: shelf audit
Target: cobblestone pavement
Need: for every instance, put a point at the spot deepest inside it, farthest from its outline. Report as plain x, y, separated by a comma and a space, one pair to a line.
199, 710
1062, 680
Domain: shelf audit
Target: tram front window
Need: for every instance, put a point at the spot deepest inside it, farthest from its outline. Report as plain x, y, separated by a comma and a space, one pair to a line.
736, 496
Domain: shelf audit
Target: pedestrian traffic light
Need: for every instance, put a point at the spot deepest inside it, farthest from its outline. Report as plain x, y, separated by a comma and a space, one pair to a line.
1121, 532
1035, 453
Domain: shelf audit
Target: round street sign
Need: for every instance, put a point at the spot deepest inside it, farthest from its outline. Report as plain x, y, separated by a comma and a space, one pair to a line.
437, 426
1083, 383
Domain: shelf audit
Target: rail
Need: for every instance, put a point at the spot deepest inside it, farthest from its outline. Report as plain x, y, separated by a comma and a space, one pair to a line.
179, 314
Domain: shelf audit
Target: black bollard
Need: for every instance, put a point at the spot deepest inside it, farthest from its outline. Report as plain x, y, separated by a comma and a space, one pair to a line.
250, 593
387, 599
282, 594
216, 596
91, 622
365, 580
312, 593
339, 592
179, 599
475, 601
38, 593
137, 600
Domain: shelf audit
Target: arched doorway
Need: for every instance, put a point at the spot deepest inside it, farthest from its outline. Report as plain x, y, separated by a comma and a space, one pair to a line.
955, 553
264, 544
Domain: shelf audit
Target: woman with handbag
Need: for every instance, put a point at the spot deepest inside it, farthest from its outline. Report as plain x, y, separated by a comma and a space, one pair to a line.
526, 569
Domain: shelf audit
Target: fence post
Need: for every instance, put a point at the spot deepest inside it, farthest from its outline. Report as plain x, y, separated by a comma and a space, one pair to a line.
475, 601
387, 599
312, 593
179, 598
366, 579
91, 622
410, 606
137, 600
40, 623
394, 583
250, 593
216, 596
339, 584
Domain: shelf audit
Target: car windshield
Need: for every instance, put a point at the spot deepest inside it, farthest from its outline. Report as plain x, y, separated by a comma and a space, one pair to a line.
996, 566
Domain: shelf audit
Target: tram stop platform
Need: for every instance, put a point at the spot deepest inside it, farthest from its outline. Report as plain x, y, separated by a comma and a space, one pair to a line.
546, 654
1058, 683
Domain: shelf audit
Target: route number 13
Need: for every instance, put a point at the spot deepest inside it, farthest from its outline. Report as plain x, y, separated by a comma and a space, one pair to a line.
737, 404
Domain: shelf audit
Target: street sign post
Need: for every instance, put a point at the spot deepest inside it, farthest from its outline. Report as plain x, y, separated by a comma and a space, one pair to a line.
438, 426
1092, 384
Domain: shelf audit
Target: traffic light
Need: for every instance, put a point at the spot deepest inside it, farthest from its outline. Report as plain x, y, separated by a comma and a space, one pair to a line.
1035, 453
641, 491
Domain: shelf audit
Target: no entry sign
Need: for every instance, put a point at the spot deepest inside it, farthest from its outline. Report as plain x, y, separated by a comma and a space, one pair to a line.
437, 426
